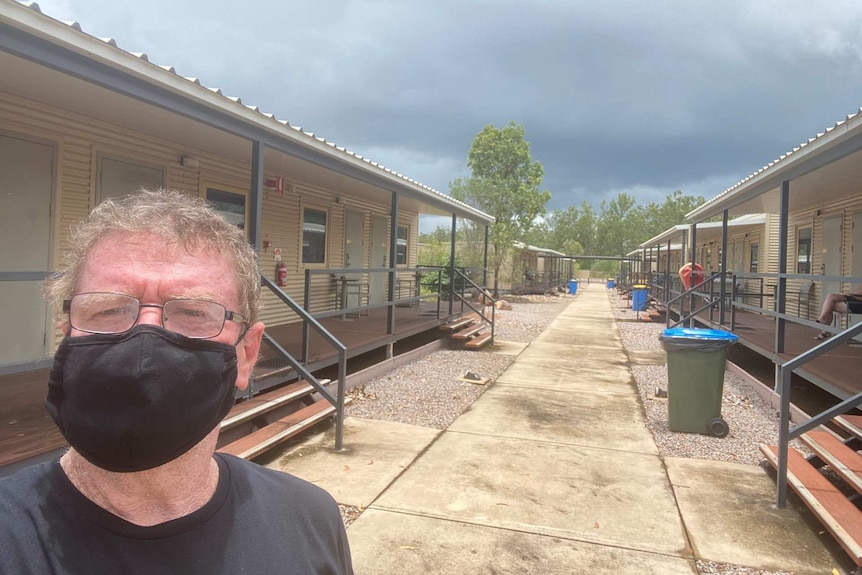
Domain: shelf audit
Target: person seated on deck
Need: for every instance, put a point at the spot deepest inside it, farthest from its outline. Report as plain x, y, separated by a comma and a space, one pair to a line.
149, 366
840, 302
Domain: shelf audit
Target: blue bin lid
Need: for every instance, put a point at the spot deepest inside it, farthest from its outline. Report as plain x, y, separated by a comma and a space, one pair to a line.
695, 333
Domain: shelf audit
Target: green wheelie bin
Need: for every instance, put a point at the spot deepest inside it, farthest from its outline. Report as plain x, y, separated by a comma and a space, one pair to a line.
696, 361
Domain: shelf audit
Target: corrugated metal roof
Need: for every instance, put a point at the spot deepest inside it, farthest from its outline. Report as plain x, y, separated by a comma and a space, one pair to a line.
822, 138
745, 220
282, 126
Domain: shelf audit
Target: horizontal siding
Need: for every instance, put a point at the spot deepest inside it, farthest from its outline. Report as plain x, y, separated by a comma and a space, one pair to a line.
81, 139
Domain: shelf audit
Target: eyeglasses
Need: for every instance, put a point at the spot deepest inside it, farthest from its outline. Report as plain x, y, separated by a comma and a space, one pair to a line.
105, 312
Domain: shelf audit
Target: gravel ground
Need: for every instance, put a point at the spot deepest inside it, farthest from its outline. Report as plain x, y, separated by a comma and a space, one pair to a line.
428, 393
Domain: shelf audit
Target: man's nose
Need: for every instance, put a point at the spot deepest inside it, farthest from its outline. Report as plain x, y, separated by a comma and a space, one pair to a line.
150, 315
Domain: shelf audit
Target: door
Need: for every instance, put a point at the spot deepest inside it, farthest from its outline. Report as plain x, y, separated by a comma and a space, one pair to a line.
831, 249
26, 175
354, 240
354, 253
379, 249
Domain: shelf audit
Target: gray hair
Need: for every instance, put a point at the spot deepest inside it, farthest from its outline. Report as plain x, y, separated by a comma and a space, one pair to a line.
173, 216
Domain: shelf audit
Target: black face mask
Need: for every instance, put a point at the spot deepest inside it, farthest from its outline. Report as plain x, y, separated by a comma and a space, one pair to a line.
139, 399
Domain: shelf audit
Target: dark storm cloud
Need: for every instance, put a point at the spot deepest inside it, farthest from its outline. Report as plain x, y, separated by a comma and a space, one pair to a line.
636, 97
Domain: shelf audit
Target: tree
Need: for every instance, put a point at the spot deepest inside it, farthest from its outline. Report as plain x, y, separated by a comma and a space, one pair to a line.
505, 184
620, 226
661, 217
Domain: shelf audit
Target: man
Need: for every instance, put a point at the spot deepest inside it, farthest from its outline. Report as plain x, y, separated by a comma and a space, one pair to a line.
840, 302
161, 298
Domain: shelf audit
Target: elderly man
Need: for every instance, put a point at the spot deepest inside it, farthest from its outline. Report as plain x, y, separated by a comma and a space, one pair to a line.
161, 298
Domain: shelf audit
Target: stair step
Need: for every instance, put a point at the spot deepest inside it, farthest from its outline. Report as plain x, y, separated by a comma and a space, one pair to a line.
265, 402
457, 324
840, 516
850, 423
276, 432
469, 332
478, 342
846, 462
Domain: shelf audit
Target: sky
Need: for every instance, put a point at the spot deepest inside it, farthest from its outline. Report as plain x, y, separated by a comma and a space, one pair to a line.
637, 97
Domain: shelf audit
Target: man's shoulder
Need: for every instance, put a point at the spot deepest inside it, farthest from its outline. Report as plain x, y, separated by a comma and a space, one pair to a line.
269, 480
19, 487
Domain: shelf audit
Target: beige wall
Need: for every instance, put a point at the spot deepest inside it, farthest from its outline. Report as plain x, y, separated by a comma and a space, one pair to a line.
80, 140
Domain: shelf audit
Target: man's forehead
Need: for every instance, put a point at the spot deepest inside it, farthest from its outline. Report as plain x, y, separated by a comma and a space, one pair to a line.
157, 257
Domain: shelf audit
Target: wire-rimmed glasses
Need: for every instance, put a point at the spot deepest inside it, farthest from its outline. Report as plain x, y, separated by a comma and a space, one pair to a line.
107, 313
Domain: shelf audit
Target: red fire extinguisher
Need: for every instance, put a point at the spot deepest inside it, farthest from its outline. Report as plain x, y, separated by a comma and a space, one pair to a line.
281, 274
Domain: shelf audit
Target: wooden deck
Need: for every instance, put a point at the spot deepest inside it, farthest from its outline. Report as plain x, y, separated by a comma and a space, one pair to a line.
836, 371
27, 431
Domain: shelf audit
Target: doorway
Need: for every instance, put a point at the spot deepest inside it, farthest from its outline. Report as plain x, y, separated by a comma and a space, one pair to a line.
26, 180
379, 248
831, 263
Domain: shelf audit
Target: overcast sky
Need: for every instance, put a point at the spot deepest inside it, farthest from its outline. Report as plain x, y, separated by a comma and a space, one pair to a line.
643, 97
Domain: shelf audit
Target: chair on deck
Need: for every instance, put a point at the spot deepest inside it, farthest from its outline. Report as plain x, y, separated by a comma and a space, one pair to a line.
803, 298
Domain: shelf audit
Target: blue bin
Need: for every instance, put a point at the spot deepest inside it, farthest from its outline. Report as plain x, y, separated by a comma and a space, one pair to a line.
639, 297
611, 284
573, 287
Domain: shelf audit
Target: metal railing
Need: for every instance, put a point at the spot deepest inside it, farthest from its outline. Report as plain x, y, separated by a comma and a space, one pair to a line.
741, 299
308, 320
785, 433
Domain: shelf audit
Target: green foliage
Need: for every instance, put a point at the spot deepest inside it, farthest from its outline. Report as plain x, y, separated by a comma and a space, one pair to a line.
661, 217
505, 184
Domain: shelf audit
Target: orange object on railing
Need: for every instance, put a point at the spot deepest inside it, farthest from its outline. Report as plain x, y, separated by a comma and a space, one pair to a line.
686, 275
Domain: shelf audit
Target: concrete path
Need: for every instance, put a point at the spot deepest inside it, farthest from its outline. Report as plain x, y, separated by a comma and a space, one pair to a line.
553, 471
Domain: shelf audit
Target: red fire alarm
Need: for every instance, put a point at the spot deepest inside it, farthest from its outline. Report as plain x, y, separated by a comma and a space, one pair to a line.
277, 183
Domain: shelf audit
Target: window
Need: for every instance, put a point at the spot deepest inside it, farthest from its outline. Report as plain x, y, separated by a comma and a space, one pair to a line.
755, 256
229, 205
803, 251
118, 178
401, 245
313, 236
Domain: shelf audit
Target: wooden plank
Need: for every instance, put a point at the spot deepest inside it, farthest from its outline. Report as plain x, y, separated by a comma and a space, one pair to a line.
478, 342
265, 402
469, 332
850, 423
840, 516
846, 462
457, 324
267, 437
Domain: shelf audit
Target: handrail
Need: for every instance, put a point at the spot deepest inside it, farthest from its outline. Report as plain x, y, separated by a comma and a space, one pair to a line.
785, 433
692, 291
309, 320
486, 294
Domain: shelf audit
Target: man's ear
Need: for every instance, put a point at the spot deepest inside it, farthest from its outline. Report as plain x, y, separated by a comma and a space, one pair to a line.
246, 354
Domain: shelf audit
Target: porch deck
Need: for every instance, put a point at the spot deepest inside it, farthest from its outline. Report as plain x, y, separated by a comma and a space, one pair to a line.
27, 431
836, 371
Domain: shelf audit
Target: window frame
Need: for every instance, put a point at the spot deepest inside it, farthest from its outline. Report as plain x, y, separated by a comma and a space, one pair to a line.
753, 257
207, 186
326, 214
406, 245
799, 243
98, 168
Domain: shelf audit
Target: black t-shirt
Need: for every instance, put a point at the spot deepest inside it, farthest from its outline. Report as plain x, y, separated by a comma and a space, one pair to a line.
258, 521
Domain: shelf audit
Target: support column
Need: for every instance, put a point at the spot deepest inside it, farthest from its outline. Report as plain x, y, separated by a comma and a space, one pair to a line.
723, 269
781, 288
393, 254
255, 208
485, 260
452, 266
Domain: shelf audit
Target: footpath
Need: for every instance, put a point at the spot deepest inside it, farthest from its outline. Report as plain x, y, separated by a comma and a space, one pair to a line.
553, 471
